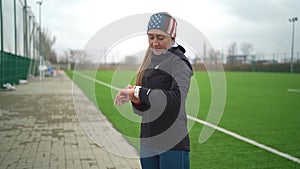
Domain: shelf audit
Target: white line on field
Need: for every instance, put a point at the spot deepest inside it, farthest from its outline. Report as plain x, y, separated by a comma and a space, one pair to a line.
294, 90
98, 81
245, 139
235, 135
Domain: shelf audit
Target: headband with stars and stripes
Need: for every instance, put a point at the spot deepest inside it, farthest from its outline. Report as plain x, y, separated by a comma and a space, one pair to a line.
164, 22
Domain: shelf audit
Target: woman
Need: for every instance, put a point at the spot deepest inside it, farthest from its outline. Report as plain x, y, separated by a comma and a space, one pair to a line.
159, 96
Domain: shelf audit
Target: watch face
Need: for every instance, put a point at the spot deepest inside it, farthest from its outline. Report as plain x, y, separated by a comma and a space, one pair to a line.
137, 91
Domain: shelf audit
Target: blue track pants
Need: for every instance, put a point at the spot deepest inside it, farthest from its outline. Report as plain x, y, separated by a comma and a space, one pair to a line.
171, 159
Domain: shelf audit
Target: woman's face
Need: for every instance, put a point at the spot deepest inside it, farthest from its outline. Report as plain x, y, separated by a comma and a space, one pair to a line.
159, 41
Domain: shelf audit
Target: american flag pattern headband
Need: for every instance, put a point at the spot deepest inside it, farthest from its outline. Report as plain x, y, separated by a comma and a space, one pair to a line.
164, 22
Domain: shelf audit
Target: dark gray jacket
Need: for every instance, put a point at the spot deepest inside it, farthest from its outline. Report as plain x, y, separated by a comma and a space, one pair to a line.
163, 94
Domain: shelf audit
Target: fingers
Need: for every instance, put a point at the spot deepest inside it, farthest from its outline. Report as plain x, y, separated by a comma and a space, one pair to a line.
118, 99
115, 102
122, 97
120, 102
129, 87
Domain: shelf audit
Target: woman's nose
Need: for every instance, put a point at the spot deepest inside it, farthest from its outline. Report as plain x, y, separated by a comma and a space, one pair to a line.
155, 42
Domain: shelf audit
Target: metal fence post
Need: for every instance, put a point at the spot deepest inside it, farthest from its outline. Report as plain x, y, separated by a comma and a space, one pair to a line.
15, 24
14, 59
25, 29
1, 51
1, 26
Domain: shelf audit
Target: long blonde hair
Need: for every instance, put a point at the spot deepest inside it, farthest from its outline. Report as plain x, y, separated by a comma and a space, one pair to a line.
147, 59
145, 64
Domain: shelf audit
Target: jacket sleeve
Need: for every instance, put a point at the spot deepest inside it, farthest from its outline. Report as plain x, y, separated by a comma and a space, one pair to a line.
171, 99
177, 94
145, 103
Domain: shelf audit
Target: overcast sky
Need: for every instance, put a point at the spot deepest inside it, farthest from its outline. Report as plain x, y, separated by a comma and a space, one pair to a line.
262, 23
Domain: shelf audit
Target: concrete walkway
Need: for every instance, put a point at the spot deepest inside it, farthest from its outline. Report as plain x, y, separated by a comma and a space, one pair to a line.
39, 129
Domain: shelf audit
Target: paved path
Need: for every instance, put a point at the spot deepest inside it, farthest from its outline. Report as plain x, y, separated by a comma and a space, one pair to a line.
39, 129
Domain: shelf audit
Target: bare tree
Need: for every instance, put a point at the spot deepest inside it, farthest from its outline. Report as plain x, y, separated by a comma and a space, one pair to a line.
232, 49
47, 42
204, 54
259, 56
77, 56
231, 53
246, 48
214, 56
130, 60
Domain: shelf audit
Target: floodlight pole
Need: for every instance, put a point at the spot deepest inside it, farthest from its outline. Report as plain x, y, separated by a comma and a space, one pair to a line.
293, 20
40, 40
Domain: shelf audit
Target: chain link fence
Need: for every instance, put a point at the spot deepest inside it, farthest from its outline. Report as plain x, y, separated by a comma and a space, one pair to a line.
19, 34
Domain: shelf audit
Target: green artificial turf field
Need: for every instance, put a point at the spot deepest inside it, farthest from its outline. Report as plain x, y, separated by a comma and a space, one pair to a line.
258, 106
